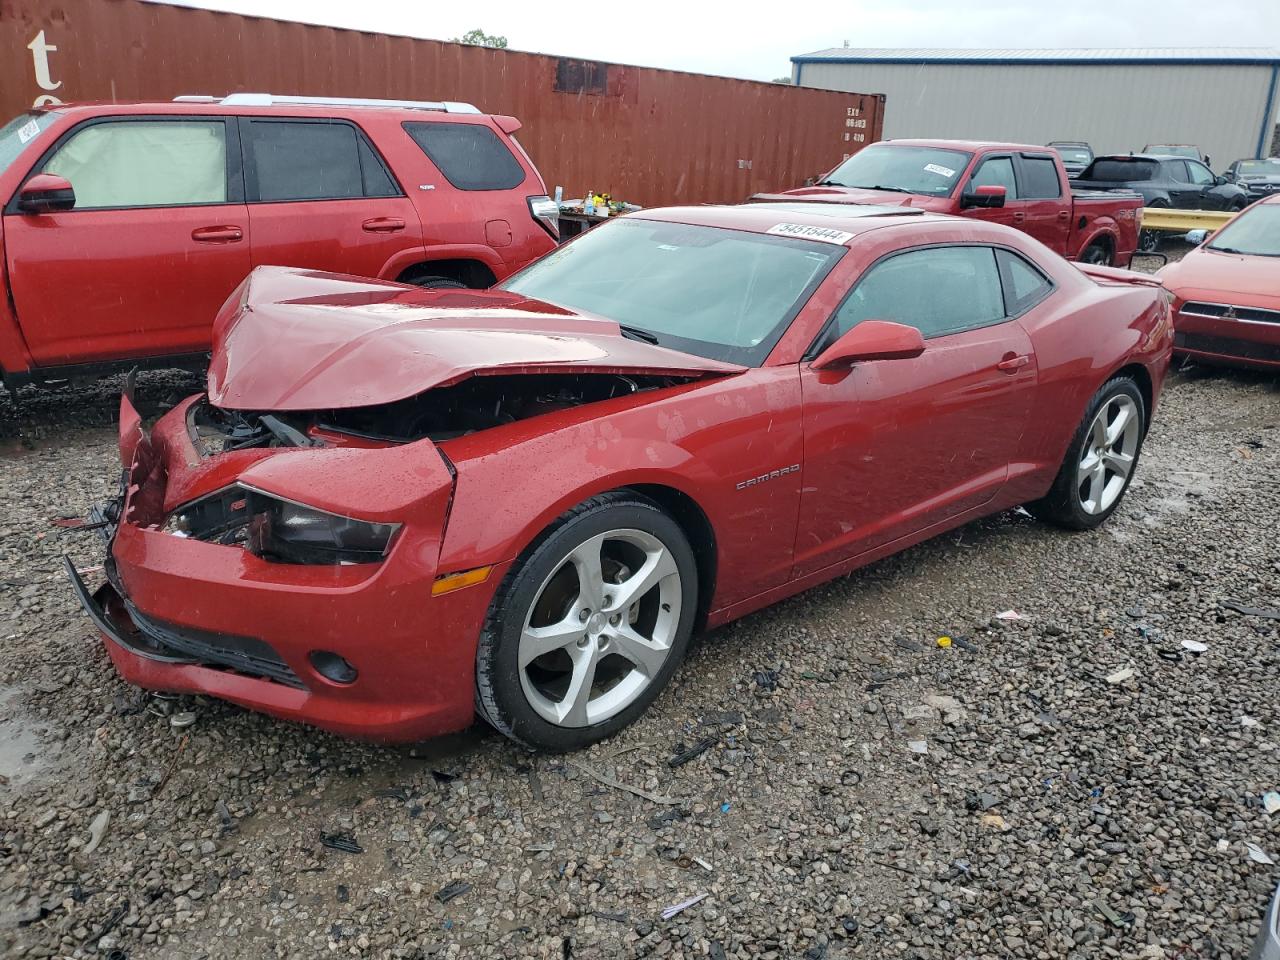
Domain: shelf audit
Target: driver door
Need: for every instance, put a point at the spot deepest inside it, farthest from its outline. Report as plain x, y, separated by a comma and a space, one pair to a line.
895, 446
997, 171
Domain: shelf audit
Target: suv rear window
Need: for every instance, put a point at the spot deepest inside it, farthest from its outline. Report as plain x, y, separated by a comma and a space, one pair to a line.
470, 155
1119, 171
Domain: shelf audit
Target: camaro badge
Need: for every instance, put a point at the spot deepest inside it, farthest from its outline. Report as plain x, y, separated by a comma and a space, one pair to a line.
771, 475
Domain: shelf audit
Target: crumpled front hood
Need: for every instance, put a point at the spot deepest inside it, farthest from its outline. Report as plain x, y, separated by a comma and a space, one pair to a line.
303, 340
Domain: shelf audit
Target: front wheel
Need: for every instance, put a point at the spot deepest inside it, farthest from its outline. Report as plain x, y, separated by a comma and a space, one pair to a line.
1100, 460
589, 626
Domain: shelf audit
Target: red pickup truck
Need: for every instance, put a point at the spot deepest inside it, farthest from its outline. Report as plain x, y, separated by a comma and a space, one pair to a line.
1019, 185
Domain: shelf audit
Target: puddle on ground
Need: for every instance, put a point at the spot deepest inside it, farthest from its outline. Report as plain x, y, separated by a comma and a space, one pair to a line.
22, 753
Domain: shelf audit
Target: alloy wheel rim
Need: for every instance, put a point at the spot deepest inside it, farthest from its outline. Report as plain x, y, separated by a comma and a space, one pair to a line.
600, 628
1110, 448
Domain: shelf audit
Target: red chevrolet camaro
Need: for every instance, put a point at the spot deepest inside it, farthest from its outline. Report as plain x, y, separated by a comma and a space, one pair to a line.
1227, 292
396, 507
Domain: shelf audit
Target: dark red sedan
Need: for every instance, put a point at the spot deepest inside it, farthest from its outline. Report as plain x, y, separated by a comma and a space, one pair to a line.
1227, 292
395, 507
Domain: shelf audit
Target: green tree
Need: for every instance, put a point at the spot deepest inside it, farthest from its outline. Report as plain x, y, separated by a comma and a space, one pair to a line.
478, 38
781, 79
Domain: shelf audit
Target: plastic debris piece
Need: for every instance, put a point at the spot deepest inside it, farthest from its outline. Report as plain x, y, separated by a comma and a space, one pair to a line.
1115, 919
619, 785
918, 746
944, 642
345, 842
724, 807
180, 721
1271, 801
682, 906
455, 889
1223, 844
1120, 676
1195, 646
1010, 615
684, 754
995, 821
96, 830
1258, 855
702, 863
1248, 721
965, 644
606, 915
1271, 613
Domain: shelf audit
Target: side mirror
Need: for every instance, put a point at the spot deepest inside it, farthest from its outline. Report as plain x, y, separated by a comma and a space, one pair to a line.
46, 193
987, 196
872, 340
1219, 180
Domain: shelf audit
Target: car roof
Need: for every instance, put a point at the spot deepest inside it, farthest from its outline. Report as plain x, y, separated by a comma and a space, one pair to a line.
212, 107
851, 218
970, 145
1139, 156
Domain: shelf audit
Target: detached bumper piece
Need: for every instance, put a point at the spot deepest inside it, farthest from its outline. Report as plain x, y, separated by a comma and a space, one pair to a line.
123, 623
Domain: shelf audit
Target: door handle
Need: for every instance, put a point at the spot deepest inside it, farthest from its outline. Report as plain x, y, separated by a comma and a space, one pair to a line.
1064, 215
382, 225
1018, 216
221, 234
1013, 364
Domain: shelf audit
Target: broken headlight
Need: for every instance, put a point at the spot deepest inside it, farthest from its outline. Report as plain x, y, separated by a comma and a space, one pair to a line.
279, 530
288, 532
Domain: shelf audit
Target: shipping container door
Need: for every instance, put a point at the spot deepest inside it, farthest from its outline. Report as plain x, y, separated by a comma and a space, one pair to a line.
321, 197
155, 243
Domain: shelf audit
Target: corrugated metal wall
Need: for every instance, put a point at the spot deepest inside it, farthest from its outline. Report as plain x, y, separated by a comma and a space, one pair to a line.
649, 136
1116, 108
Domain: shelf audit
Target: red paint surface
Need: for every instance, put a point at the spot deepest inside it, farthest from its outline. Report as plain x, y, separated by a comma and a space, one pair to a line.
890, 453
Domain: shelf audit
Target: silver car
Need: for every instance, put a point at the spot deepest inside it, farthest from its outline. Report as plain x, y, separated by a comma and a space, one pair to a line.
1267, 946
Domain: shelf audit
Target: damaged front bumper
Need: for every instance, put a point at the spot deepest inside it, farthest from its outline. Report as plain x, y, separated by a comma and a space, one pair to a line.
184, 615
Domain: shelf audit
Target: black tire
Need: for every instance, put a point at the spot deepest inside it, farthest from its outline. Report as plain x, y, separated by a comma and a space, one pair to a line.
435, 283
1098, 254
500, 697
1061, 506
1148, 241
1237, 205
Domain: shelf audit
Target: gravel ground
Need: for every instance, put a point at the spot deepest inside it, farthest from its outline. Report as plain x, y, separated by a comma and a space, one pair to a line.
864, 792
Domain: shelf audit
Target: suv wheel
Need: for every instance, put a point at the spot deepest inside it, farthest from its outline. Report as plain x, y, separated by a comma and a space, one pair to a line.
435, 282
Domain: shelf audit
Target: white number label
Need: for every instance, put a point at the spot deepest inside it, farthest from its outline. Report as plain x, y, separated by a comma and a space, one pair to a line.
824, 234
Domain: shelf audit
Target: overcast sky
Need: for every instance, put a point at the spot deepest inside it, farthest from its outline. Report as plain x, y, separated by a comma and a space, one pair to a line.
755, 40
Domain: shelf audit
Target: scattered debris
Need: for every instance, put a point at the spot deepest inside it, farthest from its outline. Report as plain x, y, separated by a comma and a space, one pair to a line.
180, 721
619, 785
1271, 801
981, 801
964, 644
767, 679
450, 891
684, 754
1009, 615
1258, 855
1195, 646
345, 842
944, 642
703, 864
1120, 676
1115, 919
616, 917
393, 793
995, 822
342, 894
918, 746
96, 829
682, 906
1248, 721
1270, 613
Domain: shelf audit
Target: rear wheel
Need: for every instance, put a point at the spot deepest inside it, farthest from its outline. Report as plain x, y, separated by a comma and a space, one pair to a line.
1100, 460
589, 626
1097, 253
1238, 204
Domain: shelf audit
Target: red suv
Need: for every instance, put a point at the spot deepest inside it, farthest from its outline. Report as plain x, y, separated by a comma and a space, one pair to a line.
126, 226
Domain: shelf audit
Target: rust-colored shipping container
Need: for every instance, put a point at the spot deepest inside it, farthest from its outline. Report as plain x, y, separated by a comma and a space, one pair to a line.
644, 135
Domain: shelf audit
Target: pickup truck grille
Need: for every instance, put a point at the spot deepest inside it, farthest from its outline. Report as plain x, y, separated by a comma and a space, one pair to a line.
1225, 311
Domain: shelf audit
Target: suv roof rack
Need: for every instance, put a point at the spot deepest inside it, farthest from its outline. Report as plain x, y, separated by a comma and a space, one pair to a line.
274, 99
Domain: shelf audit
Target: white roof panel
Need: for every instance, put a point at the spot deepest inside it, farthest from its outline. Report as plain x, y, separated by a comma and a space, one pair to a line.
1250, 55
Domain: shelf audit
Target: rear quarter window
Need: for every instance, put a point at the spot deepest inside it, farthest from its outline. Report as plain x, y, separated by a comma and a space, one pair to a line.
470, 155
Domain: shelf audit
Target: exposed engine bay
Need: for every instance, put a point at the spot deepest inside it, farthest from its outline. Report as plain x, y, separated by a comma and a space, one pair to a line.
443, 413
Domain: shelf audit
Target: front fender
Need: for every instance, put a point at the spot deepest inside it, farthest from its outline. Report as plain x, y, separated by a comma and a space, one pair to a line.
702, 440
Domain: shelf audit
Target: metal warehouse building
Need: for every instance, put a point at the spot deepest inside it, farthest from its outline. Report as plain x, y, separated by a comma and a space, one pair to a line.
1223, 100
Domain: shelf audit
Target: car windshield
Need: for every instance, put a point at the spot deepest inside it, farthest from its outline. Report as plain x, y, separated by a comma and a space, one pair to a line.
1075, 154
1259, 168
1173, 150
1120, 171
722, 294
1255, 232
20, 131
882, 166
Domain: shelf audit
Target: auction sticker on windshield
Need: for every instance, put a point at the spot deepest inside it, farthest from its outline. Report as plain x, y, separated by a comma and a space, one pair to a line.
825, 234
940, 170
27, 131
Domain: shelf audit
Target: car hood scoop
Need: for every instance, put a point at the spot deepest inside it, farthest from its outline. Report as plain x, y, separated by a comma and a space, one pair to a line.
303, 340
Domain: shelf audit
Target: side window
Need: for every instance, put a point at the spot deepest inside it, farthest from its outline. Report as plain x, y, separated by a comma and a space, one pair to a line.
1200, 174
1040, 179
937, 290
304, 161
470, 155
1024, 285
377, 182
996, 172
145, 163
1176, 170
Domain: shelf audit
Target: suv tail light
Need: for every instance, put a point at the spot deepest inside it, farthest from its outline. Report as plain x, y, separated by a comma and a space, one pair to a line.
546, 212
